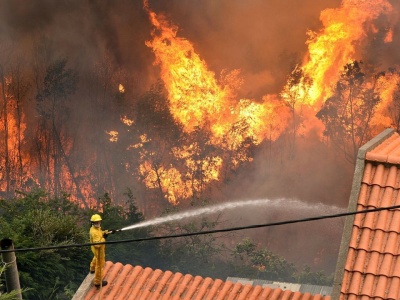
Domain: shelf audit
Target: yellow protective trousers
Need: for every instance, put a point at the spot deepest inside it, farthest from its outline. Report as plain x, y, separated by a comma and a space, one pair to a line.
98, 262
99, 251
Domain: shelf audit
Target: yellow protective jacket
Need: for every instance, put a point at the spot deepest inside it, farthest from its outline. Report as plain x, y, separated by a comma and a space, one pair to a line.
97, 236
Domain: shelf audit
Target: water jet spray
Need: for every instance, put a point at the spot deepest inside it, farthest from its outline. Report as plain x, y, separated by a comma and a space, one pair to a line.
276, 203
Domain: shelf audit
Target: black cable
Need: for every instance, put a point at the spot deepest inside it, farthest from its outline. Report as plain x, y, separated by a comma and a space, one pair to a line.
207, 231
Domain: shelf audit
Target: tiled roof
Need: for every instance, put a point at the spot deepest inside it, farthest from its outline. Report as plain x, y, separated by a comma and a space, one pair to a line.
372, 267
127, 282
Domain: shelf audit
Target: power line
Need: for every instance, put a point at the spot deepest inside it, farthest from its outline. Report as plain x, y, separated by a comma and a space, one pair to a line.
207, 231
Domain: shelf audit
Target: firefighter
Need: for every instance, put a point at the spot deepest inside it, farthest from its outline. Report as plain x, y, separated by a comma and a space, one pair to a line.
99, 260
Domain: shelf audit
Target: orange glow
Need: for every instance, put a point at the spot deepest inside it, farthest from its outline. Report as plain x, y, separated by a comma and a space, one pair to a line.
168, 180
193, 91
12, 131
200, 99
113, 135
386, 87
389, 36
127, 121
196, 97
335, 45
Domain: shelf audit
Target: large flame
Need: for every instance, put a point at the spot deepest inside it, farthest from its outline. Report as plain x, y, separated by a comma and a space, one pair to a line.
199, 100
196, 98
194, 94
343, 30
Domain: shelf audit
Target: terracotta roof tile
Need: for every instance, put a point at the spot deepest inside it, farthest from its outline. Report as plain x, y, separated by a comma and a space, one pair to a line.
394, 293
387, 151
126, 282
372, 267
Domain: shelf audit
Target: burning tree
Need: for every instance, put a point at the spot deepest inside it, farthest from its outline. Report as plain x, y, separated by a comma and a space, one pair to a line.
393, 106
59, 83
14, 86
347, 114
296, 93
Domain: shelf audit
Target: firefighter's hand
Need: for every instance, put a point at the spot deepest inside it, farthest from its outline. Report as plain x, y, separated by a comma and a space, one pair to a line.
112, 231
105, 235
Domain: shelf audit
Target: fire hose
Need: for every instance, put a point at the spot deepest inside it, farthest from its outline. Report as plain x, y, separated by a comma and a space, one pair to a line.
111, 231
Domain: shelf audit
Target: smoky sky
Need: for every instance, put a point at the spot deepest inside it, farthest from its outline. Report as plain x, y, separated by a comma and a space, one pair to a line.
262, 38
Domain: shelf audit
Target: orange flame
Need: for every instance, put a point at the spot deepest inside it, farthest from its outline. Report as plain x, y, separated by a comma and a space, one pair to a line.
386, 87
196, 97
198, 100
335, 45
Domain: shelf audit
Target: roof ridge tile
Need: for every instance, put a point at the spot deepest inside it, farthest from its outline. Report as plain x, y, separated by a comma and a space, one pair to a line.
381, 152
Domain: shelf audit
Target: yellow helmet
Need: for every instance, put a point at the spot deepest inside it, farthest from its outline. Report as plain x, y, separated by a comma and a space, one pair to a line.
95, 218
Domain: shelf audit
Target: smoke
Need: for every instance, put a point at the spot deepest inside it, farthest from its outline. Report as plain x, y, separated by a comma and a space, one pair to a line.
315, 244
264, 39
83, 31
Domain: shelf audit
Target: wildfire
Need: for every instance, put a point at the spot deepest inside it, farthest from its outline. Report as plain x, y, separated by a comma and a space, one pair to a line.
13, 126
121, 88
127, 121
335, 46
193, 91
199, 100
168, 179
386, 87
196, 97
113, 135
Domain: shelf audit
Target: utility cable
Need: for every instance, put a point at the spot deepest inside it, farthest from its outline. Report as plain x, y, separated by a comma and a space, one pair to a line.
206, 231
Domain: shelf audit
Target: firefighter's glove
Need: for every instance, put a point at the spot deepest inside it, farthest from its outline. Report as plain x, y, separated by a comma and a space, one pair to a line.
105, 235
